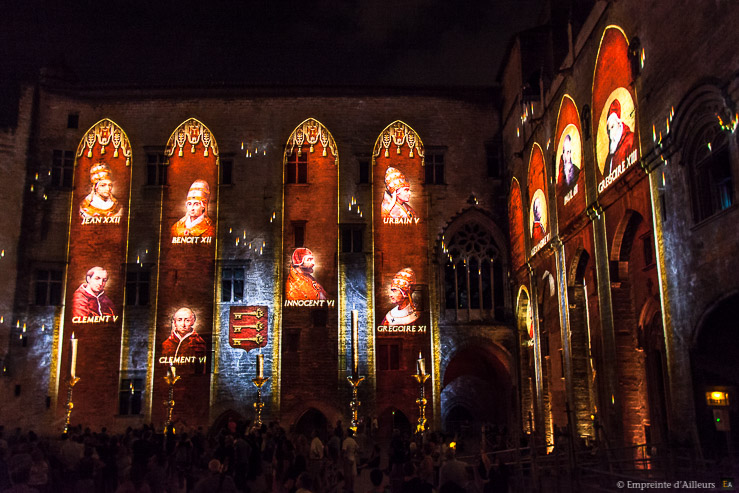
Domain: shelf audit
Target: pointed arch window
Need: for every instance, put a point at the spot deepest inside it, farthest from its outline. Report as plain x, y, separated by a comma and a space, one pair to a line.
473, 274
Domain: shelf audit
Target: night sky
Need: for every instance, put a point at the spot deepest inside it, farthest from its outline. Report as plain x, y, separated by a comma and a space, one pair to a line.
426, 42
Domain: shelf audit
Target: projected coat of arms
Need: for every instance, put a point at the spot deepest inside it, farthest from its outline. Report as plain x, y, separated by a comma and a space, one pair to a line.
248, 327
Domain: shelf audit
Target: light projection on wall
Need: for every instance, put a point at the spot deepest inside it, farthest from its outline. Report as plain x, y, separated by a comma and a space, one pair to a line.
305, 308
312, 133
396, 202
402, 322
396, 207
403, 316
301, 288
568, 163
101, 205
616, 141
90, 304
538, 220
570, 185
98, 230
195, 226
185, 297
310, 237
525, 316
539, 230
248, 327
184, 346
515, 224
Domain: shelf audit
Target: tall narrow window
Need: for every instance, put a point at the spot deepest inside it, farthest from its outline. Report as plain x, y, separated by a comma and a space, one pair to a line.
296, 168
462, 293
48, 287
434, 164
156, 168
232, 284
364, 170
137, 286
62, 167
486, 279
475, 287
226, 167
351, 238
494, 158
292, 341
73, 120
647, 249
388, 356
450, 287
298, 233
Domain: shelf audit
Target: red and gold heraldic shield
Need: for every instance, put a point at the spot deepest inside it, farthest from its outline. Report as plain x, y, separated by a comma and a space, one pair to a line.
248, 327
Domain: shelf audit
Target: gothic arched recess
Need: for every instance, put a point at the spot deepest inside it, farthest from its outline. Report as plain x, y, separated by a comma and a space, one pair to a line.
715, 367
475, 264
477, 385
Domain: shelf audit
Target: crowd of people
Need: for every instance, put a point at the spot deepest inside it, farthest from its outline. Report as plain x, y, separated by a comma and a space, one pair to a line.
239, 458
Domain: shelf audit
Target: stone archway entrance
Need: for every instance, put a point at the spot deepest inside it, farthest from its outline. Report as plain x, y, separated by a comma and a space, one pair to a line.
393, 418
477, 391
715, 367
313, 420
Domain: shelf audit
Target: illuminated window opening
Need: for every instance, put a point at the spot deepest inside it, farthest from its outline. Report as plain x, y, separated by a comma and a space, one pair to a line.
713, 185
48, 289
130, 396
388, 356
434, 166
62, 168
296, 168
232, 284
156, 169
137, 286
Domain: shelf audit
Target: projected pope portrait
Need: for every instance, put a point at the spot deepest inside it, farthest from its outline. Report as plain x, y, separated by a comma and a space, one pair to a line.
401, 289
300, 284
100, 202
183, 340
395, 201
196, 221
569, 160
538, 219
90, 300
616, 123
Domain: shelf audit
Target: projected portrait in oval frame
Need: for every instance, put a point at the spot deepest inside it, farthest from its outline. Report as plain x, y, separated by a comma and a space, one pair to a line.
538, 220
569, 160
615, 142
